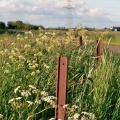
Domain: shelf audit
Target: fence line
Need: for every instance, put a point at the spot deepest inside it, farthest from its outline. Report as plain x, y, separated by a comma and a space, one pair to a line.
61, 83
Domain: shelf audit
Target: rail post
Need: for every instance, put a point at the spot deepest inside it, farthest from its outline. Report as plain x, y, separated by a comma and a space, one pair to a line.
61, 87
98, 50
80, 41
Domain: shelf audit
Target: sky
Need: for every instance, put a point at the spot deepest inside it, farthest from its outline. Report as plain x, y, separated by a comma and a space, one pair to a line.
52, 13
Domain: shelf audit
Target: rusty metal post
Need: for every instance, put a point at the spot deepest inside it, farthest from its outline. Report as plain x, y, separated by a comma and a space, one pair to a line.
98, 50
80, 40
61, 87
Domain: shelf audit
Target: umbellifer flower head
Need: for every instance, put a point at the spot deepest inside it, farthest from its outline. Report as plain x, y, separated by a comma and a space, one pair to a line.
1, 116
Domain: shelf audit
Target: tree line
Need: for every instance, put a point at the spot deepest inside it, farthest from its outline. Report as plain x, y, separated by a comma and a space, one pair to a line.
19, 25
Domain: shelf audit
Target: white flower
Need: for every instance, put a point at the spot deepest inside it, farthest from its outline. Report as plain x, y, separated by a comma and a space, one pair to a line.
15, 91
12, 100
25, 93
35, 55
39, 54
37, 71
6, 71
27, 46
75, 106
84, 118
38, 101
46, 66
35, 91
50, 100
70, 118
6, 50
33, 73
65, 106
26, 37
76, 116
43, 93
30, 102
91, 116
31, 86
1, 116
18, 98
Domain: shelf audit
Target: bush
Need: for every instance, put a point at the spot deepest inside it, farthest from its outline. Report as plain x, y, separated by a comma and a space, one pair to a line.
2, 25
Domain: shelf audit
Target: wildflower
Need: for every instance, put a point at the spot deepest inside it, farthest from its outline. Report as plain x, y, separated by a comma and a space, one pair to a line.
85, 44
46, 66
6, 50
27, 46
31, 86
30, 102
36, 65
76, 116
33, 73
91, 116
15, 91
18, 98
70, 118
50, 99
26, 37
37, 71
10, 57
25, 93
1, 116
35, 91
12, 44
6, 71
18, 35
12, 100
38, 101
43, 93
35, 55
8, 64
75, 106
21, 57
39, 54
65, 106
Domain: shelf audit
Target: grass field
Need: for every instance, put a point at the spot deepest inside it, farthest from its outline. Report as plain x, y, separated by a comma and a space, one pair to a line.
27, 76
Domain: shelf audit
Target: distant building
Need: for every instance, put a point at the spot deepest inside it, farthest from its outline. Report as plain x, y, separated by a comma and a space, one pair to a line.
115, 28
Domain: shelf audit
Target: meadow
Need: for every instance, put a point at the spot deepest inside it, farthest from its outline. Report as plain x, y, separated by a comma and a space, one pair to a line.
28, 75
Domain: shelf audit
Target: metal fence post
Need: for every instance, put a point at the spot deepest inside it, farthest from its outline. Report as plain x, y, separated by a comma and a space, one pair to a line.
80, 40
98, 50
61, 87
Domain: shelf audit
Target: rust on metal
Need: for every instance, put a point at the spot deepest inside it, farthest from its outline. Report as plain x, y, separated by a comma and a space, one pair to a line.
98, 49
61, 87
80, 40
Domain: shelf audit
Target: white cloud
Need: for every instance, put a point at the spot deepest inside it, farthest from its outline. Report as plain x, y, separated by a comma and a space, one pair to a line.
82, 9
38, 11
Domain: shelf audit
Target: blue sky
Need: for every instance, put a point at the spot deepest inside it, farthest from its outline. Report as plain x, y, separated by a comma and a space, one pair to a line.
52, 13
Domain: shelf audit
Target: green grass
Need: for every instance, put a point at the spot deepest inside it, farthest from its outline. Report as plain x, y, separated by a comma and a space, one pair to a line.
31, 59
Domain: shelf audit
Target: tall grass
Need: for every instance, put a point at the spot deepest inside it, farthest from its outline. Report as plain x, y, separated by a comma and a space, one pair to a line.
31, 59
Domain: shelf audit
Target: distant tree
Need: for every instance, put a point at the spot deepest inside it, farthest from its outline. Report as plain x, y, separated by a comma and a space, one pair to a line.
41, 26
11, 25
19, 24
2, 25
27, 26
